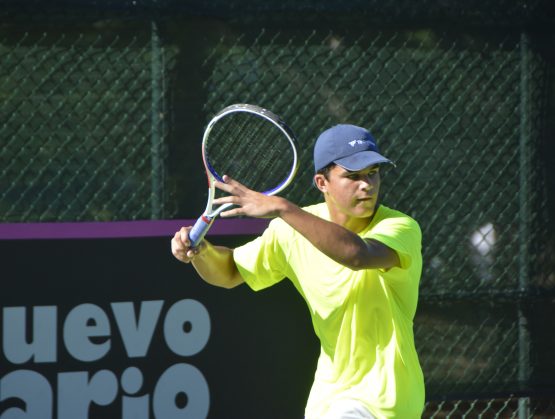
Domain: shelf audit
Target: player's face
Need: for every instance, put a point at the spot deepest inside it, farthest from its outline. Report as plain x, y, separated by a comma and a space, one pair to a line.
352, 194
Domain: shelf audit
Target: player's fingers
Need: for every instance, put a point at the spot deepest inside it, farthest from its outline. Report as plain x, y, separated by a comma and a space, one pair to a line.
230, 189
230, 185
178, 250
184, 236
177, 244
223, 186
232, 212
231, 199
175, 241
229, 180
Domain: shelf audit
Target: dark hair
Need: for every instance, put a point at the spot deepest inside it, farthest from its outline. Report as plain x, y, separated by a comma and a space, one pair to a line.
326, 170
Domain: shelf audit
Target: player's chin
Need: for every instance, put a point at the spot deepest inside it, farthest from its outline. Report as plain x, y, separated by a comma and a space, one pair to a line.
364, 209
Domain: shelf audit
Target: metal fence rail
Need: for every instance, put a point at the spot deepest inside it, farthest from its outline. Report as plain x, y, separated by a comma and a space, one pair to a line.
102, 120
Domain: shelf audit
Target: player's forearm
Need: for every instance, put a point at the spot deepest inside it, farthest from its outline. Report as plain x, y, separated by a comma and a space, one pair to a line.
216, 266
335, 241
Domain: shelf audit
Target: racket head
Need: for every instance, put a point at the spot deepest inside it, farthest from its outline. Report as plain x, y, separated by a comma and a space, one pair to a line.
253, 146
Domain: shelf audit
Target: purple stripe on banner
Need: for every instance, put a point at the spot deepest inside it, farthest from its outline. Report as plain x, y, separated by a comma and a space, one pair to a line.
122, 229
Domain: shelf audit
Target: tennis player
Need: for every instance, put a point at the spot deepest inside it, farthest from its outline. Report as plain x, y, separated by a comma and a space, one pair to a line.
357, 264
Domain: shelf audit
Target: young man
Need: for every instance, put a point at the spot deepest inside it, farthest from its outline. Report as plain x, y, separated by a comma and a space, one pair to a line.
356, 263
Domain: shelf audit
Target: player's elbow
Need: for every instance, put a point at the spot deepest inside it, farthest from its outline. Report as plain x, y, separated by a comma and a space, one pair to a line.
355, 259
356, 264
374, 255
367, 255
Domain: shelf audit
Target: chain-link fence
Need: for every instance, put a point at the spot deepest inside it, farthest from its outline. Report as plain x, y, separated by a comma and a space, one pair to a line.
102, 118
79, 129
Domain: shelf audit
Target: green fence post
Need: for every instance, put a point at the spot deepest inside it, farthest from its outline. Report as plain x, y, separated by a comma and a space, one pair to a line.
157, 120
524, 222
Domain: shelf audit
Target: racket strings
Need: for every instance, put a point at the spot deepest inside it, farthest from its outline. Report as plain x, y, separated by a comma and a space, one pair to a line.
264, 154
250, 149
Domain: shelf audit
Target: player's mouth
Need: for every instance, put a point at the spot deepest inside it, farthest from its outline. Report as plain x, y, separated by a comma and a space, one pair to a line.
365, 199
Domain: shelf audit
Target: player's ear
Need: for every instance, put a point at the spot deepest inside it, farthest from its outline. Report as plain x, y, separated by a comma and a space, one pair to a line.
321, 182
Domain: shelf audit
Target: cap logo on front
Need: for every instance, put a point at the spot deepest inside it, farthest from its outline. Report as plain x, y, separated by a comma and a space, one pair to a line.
360, 142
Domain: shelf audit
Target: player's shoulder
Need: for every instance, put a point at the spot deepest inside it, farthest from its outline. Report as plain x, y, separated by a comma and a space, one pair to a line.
394, 216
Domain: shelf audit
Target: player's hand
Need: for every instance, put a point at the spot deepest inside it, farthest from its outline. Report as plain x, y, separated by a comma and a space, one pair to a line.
249, 202
181, 246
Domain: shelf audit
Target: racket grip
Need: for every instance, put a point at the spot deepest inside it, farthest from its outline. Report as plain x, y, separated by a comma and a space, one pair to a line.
200, 229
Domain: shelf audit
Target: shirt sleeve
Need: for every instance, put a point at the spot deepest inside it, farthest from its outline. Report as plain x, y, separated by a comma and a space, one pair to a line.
401, 234
261, 261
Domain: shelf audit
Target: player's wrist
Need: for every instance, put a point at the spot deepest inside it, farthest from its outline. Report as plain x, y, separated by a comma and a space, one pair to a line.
284, 207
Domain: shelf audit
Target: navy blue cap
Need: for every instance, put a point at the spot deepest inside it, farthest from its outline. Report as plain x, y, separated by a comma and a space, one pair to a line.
349, 146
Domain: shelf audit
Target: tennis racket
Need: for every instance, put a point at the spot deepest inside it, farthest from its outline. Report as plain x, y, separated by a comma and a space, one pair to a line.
254, 147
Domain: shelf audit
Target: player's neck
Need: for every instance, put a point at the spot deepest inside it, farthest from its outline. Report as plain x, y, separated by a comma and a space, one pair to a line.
354, 224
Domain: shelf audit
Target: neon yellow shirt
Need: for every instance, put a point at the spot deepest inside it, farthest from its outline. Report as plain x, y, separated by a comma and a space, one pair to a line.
362, 318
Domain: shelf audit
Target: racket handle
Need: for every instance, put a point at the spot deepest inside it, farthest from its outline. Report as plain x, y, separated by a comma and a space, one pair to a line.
200, 229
